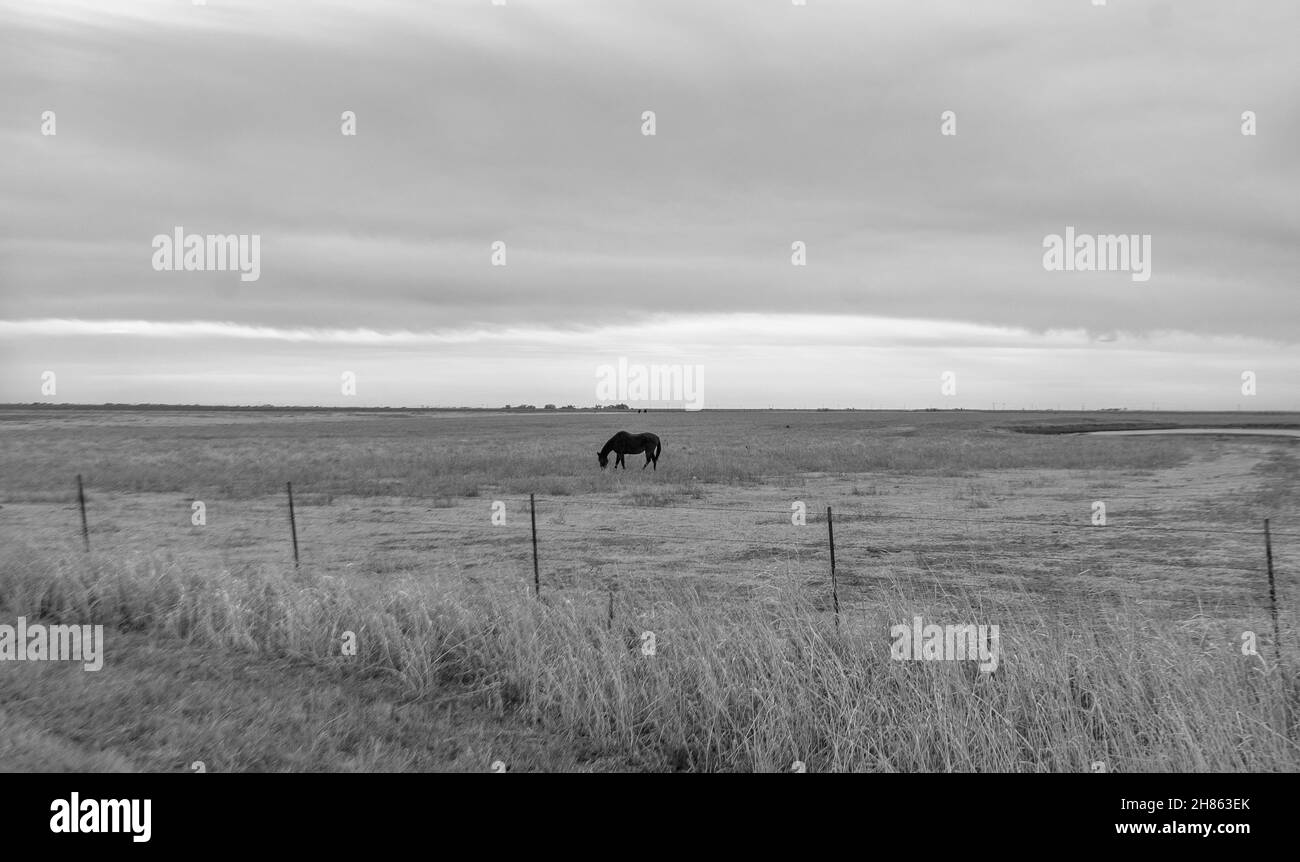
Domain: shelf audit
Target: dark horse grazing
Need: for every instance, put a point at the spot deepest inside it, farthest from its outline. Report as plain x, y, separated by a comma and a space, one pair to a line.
624, 443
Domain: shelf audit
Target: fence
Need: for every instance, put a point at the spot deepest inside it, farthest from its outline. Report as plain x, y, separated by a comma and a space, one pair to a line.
818, 542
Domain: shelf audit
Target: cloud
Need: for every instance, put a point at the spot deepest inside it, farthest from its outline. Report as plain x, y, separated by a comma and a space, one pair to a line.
749, 360
775, 124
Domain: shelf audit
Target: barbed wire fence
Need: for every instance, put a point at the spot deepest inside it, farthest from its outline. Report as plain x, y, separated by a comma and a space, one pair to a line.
813, 543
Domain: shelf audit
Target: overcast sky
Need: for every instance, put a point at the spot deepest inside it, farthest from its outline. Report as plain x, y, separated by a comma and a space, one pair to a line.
775, 123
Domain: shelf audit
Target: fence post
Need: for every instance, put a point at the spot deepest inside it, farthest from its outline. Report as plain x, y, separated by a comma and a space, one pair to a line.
835, 590
1272, 593
532, 514
293, 524
81, 501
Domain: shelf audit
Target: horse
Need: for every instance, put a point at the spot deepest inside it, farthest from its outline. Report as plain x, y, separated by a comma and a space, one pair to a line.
624, 443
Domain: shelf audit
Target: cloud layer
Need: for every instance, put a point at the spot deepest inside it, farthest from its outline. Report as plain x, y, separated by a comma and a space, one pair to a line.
775, 124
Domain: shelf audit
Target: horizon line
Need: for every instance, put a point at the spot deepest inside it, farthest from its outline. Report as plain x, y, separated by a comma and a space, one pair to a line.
529, 408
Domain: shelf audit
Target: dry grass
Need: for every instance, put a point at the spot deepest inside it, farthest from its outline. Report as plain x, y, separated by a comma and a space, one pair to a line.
457, 456
215, 655
749, 685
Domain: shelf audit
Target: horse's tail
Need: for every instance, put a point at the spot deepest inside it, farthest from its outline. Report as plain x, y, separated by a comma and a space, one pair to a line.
658, 448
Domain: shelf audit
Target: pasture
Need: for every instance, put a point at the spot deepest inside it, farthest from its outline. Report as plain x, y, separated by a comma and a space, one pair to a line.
1121, 642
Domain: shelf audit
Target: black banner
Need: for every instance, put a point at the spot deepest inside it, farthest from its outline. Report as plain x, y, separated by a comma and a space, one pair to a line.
141, 813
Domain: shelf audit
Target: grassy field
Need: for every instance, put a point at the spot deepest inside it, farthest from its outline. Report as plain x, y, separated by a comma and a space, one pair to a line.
1120, 643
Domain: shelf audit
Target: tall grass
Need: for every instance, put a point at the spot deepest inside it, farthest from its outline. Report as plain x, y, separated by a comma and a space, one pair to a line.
740, 686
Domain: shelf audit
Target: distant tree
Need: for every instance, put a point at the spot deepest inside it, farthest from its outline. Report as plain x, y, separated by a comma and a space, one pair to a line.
549, 407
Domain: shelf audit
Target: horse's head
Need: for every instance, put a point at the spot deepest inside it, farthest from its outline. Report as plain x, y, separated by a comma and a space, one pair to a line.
603, 458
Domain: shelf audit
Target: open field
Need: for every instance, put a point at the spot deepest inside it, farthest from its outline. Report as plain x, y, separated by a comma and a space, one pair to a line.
1120, 641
